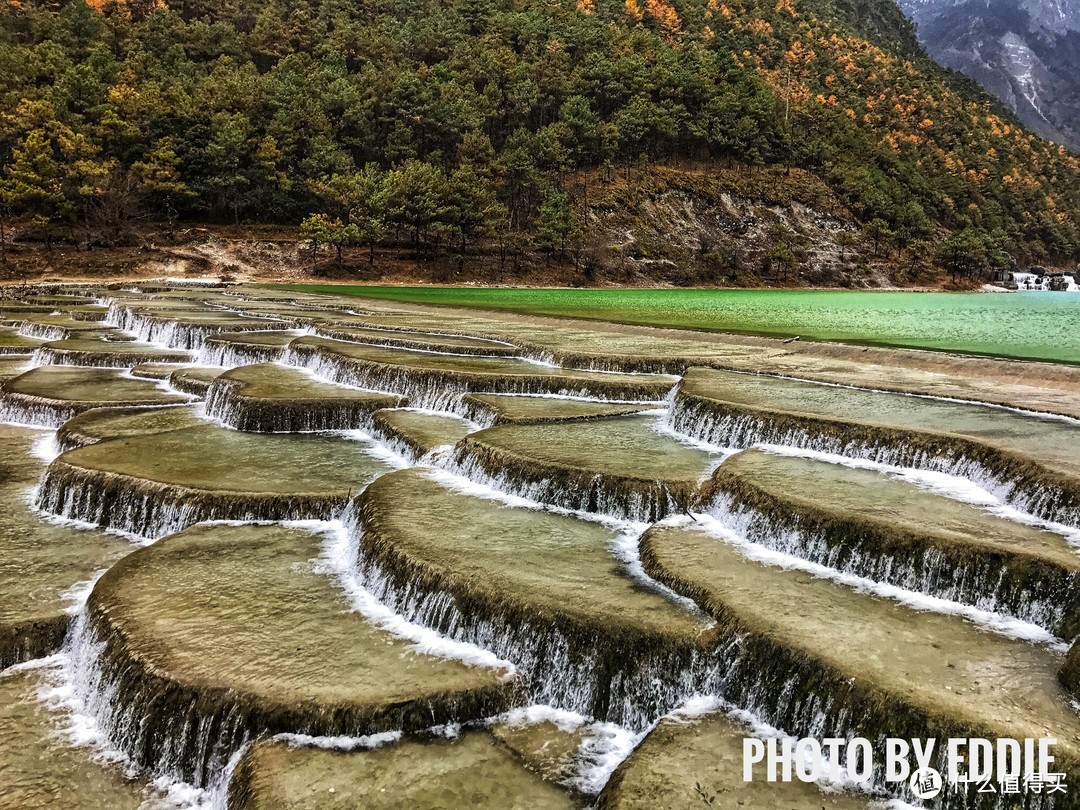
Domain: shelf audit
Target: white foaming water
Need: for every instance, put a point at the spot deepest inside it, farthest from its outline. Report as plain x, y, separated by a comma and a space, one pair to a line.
664, 428
603, 746
378, 450
363, 743
624, 545
82, 525
45, 447
339, 559
69, 690
950, 486
1004, 625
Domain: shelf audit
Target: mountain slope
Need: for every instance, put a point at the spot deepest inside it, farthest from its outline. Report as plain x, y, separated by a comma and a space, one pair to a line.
1025, 52
443, 123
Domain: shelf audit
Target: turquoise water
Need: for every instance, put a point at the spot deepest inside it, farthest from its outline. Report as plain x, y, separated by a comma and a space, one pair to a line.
1027, 325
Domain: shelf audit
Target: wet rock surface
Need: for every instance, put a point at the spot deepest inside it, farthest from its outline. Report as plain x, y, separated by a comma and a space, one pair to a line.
39, 767
893, 531
104, 353
268, 398
471, 771
239, 625
499, 409
417, 433
50, 395
39, 561
154, 484
871, 666
623, 466
688, 763
1028, 459
578, 592
543, 589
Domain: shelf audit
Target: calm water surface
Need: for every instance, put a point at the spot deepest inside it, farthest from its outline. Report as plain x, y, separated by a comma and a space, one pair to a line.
1029, 325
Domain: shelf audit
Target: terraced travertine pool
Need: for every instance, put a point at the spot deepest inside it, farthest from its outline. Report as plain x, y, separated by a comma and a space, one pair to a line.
272, 549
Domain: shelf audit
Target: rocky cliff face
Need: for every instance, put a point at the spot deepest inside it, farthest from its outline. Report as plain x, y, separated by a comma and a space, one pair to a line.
1025, 52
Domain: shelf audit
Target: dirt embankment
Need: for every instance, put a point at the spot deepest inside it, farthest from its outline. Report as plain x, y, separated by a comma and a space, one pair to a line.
669, 226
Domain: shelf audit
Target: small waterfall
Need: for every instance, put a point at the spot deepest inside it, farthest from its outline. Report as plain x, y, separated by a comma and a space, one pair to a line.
49, 356
191, 736
154, 725
992, 582
400, 446
149, 509
229, 354
226, 402
26, 409
176, 334
673, 367
1024, 484
442, 390
42, 331
619, 497
620, 677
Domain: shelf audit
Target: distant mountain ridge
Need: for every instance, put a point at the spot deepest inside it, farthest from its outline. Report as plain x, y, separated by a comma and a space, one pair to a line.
1025, 52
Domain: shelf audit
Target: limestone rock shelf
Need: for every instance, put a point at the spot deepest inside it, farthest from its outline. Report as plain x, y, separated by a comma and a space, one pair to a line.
436, 380
50, 395
39, 561
221, 633
99, 424
194, 380
623, 466
417, 433
891, 531
243, 348
497, 409
542, 590
685, 762
104, 353
186, 327
1030, 461
269, 398
470, 771
11, 342
424, 341
156, 484
809, 654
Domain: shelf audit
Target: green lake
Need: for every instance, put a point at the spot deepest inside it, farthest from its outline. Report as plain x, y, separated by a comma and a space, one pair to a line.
1027, 325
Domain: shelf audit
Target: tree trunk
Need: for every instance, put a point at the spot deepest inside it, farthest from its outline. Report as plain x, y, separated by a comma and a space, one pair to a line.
3, 243
371, 252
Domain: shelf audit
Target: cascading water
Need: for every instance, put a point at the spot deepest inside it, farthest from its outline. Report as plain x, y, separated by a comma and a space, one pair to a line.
1023, 484
619, 690
560, 665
